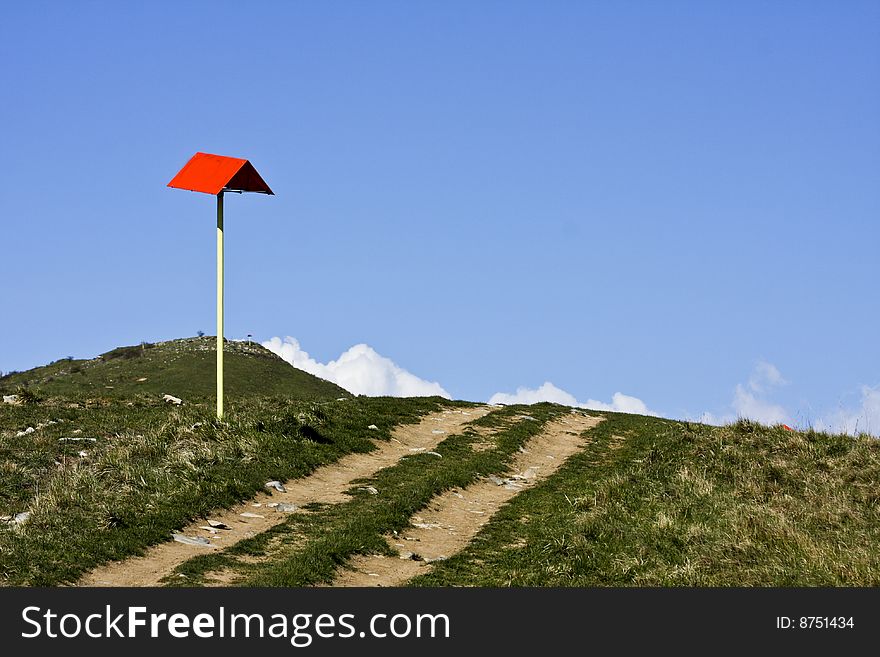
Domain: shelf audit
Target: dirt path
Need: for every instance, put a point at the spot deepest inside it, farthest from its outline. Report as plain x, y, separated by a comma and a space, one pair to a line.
455, 517
326, 485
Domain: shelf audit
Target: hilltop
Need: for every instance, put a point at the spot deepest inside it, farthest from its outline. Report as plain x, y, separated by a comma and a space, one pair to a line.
185, 368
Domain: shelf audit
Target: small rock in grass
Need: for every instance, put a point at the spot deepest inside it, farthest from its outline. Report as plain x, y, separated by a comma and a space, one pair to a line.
372, 490
26, 432
171, 399
435, 454
530, 473
285, 507
277, 485
11, 399
373, 427
191, 540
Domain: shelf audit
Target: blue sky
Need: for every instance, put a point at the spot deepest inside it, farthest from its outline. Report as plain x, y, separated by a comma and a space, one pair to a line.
664, 200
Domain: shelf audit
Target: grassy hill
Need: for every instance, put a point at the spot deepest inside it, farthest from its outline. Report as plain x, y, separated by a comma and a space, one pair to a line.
184, 368
648, 502
655, 502
102, 468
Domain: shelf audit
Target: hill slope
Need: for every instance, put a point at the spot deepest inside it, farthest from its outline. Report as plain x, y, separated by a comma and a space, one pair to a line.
184, 368
94, 467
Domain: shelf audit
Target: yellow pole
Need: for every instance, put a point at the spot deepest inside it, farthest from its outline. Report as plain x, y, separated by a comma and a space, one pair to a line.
220, 305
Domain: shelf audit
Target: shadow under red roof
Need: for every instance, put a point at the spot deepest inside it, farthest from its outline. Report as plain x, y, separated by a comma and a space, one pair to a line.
212, 174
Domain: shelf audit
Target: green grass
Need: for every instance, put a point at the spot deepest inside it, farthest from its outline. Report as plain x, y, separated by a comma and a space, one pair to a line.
307, 548
648, 502
153, 468
654, 502
184, 368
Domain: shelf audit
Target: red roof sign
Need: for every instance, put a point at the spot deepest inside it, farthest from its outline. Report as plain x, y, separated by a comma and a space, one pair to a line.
213, 174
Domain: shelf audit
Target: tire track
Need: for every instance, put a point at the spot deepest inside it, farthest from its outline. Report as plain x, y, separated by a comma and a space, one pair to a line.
325, 485
453, 518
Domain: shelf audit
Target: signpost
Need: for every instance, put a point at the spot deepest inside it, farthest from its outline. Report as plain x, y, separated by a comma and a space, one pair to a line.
216, 174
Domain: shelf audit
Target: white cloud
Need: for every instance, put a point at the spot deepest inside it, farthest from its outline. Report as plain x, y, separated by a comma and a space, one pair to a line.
550, 393
360, 370
749, 405
864, 419
764, 377
750, 402
620, 403
546, 393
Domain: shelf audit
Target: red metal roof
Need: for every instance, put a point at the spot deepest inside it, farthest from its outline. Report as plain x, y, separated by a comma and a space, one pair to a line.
213, 174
